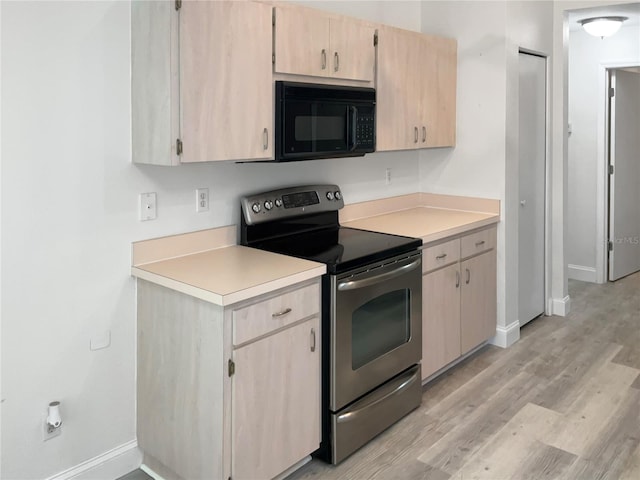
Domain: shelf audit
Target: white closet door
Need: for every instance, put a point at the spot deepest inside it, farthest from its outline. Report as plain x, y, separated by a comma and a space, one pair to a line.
532, 159
624, 183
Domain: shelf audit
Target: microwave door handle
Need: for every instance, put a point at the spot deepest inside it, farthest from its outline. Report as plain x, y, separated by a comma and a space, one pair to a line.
354, 124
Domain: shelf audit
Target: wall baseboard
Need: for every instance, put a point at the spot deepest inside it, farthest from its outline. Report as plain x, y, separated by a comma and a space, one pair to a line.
561, 306
152, 473
584, 274
112, 464
506, 336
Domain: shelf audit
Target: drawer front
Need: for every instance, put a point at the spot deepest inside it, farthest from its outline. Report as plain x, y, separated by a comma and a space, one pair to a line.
478, 242
440, 255
263, 317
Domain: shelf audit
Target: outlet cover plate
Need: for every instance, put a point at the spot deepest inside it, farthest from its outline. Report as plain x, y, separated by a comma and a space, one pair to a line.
148, 206
202, 200
46, 435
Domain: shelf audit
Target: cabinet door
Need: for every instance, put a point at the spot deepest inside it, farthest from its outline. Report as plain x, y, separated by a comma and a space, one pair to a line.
438, 91
302, 42
397, 90
352, 53
478, 306
226, 86
440, 319
276, 402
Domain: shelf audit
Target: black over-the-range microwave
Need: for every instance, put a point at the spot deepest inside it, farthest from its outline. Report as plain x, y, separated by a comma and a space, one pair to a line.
323, 121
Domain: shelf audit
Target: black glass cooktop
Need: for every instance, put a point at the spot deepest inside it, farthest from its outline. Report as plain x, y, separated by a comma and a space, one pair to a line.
340, 248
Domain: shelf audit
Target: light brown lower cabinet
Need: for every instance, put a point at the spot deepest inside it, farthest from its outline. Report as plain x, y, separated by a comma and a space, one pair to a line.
478, 304
458, 297
228, 392
275, 396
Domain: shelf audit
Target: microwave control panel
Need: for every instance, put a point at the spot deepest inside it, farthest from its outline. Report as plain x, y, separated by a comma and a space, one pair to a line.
366, 128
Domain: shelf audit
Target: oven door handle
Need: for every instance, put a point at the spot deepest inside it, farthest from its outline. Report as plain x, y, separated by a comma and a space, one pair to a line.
365, 282
400, 384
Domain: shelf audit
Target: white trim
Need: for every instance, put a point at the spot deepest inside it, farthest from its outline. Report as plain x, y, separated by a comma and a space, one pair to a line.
506, 336
584, 274
602, 167
561, 306
151, 473
109, 465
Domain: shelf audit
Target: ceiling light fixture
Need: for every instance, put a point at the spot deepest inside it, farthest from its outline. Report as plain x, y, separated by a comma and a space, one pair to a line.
602, 26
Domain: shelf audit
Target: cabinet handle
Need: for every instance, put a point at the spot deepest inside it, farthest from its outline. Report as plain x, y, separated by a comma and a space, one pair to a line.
313, 340
283, 312
265, 137
415, 134
323, 55
424, 134
336, 61
440, 257
481, 242
457, 279
468, 276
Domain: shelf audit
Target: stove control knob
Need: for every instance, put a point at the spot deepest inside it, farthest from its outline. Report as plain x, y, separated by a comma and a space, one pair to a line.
268, 204
329, 195
278, 202
338, 195
256, 207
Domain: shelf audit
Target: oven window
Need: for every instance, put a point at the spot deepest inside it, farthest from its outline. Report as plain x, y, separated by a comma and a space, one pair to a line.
379, 326
319, 128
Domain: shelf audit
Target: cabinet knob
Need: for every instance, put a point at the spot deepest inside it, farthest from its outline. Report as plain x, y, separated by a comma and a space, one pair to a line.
440, 257
323, 56
313, 340
424, 134
468, 276
457, 279
336, 61
265, 138
415, 134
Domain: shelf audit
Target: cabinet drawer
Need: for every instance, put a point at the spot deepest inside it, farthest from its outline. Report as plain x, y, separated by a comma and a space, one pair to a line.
478, 242
263, 317
440, 255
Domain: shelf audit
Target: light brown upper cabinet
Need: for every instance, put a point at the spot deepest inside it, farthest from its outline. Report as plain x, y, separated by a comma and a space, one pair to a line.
415, 90
310, 42
201, 82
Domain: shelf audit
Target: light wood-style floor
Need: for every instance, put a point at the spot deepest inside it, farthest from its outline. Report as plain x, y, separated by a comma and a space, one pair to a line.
562, 403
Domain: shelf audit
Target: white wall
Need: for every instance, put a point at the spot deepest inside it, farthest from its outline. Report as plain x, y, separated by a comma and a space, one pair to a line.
484, 161
587, 56
69, 214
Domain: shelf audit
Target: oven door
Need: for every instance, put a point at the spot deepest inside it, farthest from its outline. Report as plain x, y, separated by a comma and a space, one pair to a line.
376, 326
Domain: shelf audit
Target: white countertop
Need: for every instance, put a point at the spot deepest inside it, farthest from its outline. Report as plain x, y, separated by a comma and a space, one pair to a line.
429, 223
228, 275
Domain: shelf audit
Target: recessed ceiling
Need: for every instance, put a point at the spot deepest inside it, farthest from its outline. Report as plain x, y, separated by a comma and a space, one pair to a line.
630, 10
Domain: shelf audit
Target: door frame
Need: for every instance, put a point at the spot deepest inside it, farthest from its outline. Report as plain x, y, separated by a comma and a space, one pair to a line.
548, 300
602, 167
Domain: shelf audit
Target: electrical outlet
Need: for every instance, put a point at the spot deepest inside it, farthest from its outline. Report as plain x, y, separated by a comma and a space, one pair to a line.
202, 200
148, 206
47, 432
387, 176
